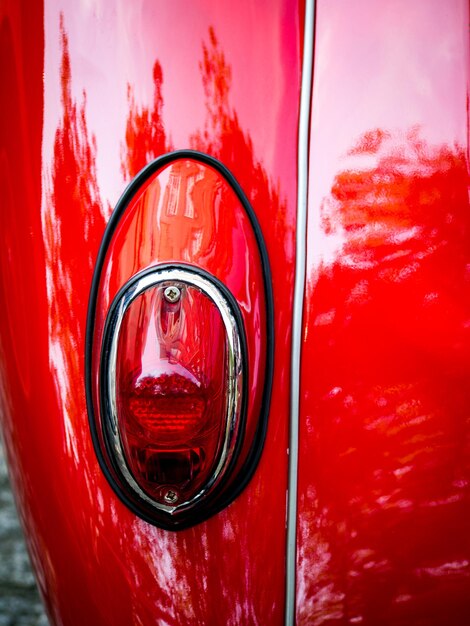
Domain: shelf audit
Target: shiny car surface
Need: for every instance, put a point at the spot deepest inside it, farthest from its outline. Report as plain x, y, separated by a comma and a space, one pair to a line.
345, 125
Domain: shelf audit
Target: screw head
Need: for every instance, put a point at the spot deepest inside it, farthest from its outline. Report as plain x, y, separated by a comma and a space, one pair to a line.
170, 496
172, 294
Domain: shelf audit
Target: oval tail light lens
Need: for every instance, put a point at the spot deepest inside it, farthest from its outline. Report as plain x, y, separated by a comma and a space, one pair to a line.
179, 350
172, 385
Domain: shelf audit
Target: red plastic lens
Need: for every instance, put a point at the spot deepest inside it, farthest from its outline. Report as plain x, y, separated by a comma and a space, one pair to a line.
170, 390
179, 361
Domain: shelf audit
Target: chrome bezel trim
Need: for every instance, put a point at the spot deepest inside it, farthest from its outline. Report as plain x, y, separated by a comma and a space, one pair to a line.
299, 293
233, 333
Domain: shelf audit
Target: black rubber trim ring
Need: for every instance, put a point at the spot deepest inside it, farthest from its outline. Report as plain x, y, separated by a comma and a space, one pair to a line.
247, 470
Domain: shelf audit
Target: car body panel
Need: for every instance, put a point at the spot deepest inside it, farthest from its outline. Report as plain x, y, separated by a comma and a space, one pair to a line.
97, 90
384, 493
114, 92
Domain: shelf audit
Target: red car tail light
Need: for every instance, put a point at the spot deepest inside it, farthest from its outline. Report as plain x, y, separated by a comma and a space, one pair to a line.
179, 342
172, 382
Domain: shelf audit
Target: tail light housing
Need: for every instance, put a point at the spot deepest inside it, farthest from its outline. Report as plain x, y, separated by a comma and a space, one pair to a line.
172, 385
179, 342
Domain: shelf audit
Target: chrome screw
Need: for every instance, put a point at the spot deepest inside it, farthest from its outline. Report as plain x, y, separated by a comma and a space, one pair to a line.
172, 294
171, 497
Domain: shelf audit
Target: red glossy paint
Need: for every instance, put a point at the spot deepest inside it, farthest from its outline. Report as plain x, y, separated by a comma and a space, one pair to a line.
384, 496
95, 91
187, 212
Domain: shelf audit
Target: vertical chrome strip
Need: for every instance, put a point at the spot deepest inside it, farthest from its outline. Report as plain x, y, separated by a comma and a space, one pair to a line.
299, 290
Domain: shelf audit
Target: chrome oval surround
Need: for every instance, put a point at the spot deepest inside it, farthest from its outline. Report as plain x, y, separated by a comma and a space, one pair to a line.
234, 332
